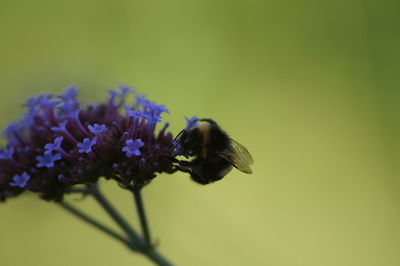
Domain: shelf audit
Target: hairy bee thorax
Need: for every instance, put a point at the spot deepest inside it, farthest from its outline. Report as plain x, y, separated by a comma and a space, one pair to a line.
204, 131
212, 139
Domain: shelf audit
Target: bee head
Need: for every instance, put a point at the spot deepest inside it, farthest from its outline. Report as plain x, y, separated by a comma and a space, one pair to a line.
199, 139
190, 141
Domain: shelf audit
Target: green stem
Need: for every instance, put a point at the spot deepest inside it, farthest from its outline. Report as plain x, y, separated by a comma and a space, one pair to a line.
142, 216
157, 258
151, 254
113, 213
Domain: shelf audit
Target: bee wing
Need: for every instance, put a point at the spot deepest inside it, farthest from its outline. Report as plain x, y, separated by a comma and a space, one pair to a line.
238, 156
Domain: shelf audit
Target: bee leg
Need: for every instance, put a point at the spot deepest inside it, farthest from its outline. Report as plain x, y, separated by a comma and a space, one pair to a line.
182, 163
194, 176
183, 169
183, 166
185, 163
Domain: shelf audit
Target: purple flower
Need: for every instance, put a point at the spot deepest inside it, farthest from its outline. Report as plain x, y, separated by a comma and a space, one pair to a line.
20, 180
157, 109
97, 129
141, 100
113, 95
154, 119
33, 102
69, 102
136, 114
125, 90
12, 132
50, 147
86, 145
62, 127
150, 107
191, 122
7, 153
121, 95
43, 101
47, 160
70, 94
132, 147
68, 108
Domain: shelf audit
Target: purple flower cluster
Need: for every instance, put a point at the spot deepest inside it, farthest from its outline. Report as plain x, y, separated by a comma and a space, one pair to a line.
60, 143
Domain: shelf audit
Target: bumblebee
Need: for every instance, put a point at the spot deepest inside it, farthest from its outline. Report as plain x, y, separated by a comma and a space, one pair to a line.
213, 153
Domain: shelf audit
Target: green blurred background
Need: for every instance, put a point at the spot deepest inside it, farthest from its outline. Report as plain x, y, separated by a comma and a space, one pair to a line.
310, 87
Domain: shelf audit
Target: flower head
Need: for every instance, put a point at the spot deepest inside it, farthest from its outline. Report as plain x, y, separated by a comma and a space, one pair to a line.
60, 143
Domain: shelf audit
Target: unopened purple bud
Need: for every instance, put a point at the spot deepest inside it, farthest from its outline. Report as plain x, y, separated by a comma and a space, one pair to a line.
142, 162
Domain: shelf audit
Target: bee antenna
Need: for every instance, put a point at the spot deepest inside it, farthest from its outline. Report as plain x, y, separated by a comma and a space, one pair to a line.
177, 136
175, 140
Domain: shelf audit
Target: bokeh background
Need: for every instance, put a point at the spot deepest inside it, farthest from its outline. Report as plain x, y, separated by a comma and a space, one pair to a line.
310, 87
